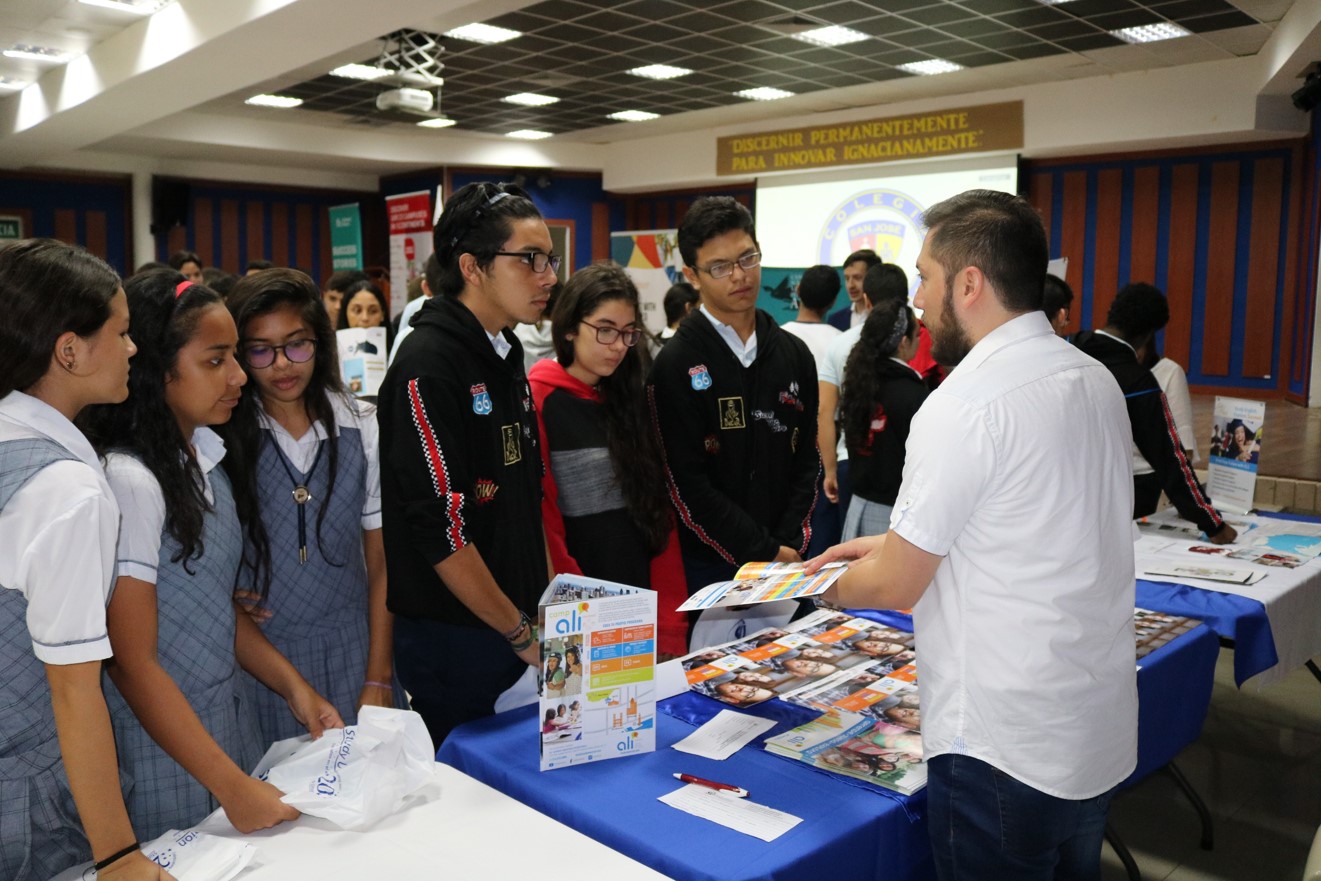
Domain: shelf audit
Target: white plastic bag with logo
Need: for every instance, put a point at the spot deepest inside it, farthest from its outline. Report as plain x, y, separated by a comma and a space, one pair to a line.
195, 856
357, 775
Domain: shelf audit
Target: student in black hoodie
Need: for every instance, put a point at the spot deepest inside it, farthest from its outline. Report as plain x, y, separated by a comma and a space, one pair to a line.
461, 466
734, 400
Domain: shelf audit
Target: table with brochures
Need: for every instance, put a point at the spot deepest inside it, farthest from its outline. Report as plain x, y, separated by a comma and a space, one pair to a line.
850, 829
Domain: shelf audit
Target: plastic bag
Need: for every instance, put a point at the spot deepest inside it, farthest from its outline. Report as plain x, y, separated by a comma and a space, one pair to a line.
195, 856
357, 775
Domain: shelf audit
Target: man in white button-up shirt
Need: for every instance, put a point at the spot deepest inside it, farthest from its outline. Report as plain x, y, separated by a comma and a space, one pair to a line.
1011, 540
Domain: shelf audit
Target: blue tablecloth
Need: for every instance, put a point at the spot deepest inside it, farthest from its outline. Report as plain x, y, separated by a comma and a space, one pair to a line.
1232, 616
850, 829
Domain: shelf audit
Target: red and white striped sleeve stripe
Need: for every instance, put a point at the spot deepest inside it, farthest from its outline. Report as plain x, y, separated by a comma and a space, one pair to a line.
1185, 467
436, 465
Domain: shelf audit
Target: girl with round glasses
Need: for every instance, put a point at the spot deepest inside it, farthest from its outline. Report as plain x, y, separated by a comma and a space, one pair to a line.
306, 473
604, 505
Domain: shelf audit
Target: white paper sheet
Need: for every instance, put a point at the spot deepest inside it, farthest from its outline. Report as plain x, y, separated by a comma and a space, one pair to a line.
738, 814
724, 735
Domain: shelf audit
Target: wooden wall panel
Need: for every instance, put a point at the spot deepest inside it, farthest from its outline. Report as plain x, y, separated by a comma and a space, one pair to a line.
662, 220
66, 225
1073, 231
1039, 191
1263, 266
1218, 315
1146, 225
1182, 260
326, 252
280, 233
229, 236
1109, 217
177, 240
95, 224
255, 227
600, 231
204, 230
305, 227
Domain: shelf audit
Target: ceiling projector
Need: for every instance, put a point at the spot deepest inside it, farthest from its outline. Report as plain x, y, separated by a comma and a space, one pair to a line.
415, 101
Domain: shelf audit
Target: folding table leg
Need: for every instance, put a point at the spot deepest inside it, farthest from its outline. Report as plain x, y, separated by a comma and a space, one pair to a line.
1121, 850
1208, 827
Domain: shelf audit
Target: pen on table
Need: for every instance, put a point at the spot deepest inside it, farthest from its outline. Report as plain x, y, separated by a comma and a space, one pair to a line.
736, 791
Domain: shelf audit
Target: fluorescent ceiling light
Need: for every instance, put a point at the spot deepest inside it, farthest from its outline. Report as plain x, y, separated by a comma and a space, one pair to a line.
7, 83
33, 53
283, 102
437, 122
931, 66
136, 7
633, 116
1151, 33
763, 93
660, 71
530, 99
360, 72
527, 134
483, 33
833, 35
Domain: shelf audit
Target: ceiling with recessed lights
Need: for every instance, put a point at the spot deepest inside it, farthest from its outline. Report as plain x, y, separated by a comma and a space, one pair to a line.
582, 59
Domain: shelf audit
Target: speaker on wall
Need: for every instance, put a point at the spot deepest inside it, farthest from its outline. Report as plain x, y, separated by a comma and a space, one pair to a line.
169, 204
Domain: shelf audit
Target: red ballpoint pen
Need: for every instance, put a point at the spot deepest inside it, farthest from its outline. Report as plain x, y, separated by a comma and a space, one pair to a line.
736, 791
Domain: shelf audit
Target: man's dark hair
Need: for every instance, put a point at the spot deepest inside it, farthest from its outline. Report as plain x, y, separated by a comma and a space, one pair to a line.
431, 272
865, 255
711, 216
259, 265
1056, 295
477, 220
885, 282
340, 281
819, 287
678, 298
1000, 234
179, 258
1138, 311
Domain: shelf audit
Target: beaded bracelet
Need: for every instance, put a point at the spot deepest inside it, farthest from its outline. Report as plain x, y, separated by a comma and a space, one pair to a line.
117, 855
531, 638
522, 622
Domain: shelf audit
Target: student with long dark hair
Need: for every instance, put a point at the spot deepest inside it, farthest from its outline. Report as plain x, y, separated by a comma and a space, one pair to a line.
186, 736
605, 505
64, 345
364, 305
881, 395
303, 458
460, 464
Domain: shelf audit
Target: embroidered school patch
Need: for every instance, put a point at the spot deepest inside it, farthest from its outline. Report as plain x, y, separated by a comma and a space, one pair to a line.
485, 490
700, 377
731, 413
513, 451
481, 399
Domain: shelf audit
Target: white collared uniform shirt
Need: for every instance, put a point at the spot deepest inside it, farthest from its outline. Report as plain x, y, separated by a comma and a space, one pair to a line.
57, 538
1017, 473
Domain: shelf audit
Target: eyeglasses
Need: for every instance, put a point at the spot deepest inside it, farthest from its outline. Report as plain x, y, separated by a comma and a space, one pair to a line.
538, 260
295, 352
723, 268
606, 335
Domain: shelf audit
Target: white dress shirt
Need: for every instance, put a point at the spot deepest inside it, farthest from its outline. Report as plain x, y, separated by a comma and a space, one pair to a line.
1017, 473
744, 350
57, 538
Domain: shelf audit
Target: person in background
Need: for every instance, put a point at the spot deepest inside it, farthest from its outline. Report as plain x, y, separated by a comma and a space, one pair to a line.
188, 264
817, 290
604, 501
415, 290
333, 293
1057, 303
538, 343
64, 346
364, 305
430, 281
255, 266
679, 300
1159, 463
734, 401
1174, 383
461, 463
856, 266
313, 574
1025, 438
219, 280
882, 394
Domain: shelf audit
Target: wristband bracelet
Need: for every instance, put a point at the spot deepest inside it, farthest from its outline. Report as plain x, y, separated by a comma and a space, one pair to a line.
531, 639
387, 686
522, 622
117, 855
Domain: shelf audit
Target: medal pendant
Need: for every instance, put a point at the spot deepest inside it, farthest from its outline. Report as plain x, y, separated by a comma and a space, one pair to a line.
301, 494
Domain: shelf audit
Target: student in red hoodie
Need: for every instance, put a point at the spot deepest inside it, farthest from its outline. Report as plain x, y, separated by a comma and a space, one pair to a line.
605, 508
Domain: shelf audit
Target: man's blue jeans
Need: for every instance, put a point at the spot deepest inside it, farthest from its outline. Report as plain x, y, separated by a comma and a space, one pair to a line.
987, 826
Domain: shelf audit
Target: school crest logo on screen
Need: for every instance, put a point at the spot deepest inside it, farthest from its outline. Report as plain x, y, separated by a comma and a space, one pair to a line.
700, 377
481, 399
886, 221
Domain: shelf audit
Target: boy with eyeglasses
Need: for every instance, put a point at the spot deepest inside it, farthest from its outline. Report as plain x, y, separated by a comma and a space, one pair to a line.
461, 463
734, 400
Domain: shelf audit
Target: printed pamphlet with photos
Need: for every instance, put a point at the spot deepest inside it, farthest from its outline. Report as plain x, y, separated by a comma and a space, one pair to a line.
764, 583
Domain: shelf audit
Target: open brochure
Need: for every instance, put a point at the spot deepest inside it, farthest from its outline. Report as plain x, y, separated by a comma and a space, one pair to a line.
598, 667
1155, 629
1207, 572
765, 583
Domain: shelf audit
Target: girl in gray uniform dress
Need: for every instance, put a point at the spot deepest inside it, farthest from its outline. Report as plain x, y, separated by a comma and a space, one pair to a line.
64, 345
304, 463
184, 733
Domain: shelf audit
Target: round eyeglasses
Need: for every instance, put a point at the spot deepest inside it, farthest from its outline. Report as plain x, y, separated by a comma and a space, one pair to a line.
724, 268
538, 260
606, 335
295, 352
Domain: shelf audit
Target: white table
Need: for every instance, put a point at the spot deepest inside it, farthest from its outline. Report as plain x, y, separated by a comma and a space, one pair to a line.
457, 828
